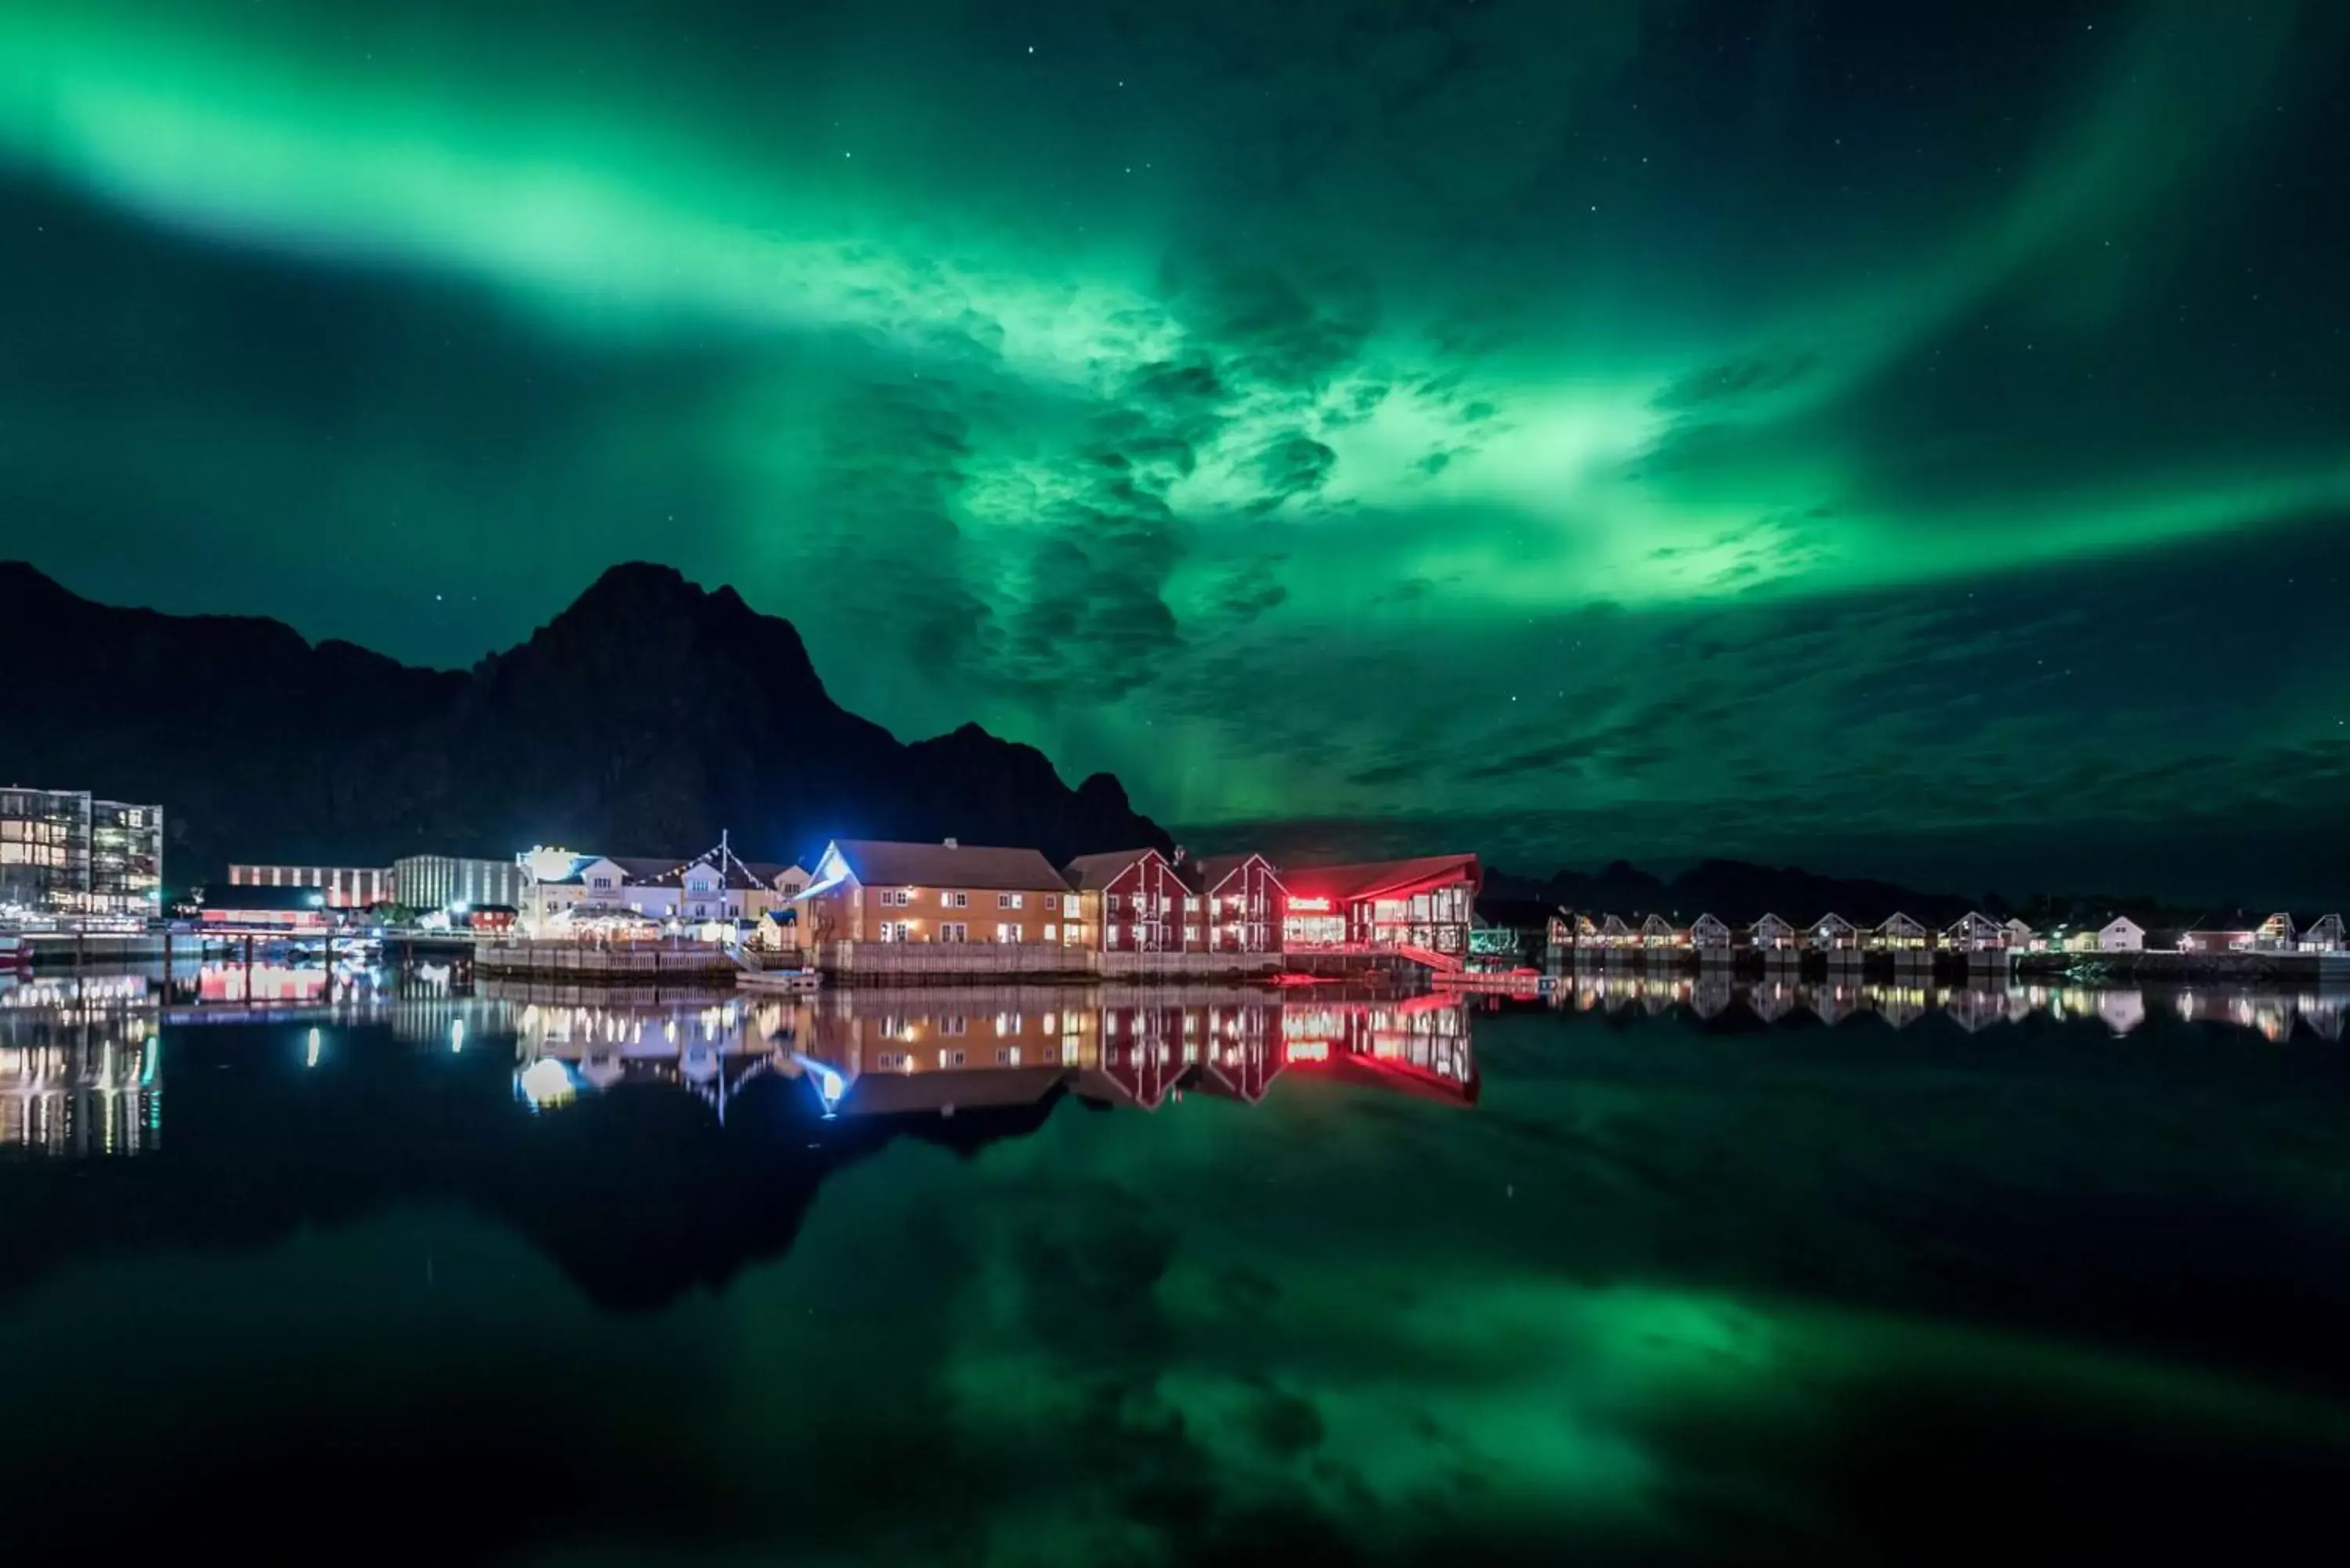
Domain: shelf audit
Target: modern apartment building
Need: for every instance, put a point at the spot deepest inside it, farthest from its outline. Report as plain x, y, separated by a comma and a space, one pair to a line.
64, 852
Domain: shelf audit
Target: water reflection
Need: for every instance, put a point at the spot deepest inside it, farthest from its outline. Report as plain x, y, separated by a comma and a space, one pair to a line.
1674, 1271
2274, 1015
945, 1050
80, 1069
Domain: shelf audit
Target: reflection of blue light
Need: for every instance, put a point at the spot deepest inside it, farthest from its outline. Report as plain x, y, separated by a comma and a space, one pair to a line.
827, 1082
457, 1036
310, 1056
150, 1062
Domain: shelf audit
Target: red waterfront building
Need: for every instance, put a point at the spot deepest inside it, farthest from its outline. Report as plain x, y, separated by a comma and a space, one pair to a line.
1242, 903
1132, 900
1422, 903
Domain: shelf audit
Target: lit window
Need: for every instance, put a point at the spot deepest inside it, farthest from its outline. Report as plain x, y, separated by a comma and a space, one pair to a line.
1007, 900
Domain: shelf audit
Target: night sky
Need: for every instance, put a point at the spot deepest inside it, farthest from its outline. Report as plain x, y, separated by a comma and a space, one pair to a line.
1909, 440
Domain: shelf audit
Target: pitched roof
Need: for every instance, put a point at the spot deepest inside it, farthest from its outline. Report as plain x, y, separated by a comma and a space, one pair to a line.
736, 874
1092, 873
768, 870
879, 863
1370, 878
640, 869
1215, 868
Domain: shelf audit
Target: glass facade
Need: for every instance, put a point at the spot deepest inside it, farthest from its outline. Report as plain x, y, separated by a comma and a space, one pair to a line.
63, 852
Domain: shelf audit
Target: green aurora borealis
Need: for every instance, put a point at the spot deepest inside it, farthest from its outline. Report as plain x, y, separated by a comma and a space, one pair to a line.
1907, 439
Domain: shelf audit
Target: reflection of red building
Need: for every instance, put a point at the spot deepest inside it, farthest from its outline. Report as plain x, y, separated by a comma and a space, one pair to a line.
1238, 1061
1145, 1052
1419, 1044
263, 982
1423, 903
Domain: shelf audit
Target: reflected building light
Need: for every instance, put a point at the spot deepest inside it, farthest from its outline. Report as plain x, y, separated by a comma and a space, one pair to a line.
456, 1035
544, 1082
310, 1051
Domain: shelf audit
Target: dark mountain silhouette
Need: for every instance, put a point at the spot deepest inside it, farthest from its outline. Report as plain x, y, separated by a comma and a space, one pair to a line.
1736, 891
642, 719
1740, 891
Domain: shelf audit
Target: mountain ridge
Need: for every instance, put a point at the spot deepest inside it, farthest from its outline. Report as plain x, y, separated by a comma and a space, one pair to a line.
645, 716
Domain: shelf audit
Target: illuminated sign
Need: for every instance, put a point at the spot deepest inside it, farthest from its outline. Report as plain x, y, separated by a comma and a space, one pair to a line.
1309, 906
1308, 1050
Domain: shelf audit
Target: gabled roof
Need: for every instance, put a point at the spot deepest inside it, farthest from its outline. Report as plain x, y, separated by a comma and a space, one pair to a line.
741, 878
1656, 923
1375, 878
1898, 921
767, 871
1713, 921
1770, 919
1217, 869
642, 871
1092, 873
1614, 926
879, 863
1833, 918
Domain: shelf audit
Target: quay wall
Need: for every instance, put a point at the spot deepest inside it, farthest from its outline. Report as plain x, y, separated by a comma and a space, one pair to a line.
950, 963
2331, 969
639, 963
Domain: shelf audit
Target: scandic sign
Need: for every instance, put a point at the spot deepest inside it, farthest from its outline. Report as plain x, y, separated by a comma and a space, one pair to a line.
1309, 906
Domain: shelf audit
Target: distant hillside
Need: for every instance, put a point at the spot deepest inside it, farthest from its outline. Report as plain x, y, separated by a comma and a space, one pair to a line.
1733, 889
644, 718
1740, 892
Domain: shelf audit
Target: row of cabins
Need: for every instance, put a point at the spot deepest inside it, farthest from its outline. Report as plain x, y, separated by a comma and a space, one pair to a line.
1135, 901
1899, 933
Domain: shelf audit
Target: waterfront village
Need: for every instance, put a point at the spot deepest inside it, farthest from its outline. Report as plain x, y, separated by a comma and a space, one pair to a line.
895, 912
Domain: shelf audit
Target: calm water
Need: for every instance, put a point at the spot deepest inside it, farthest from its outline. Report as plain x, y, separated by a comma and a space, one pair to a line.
1673, 1274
